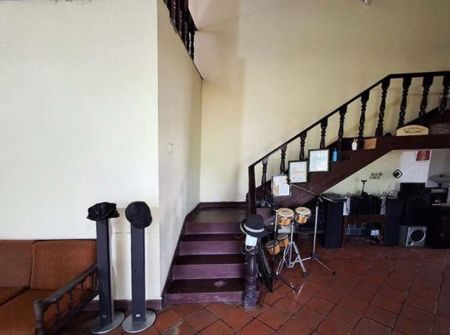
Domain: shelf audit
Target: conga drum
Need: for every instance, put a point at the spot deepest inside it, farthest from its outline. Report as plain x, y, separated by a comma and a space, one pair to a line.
285, 216
302, 215
283, 240
273, 247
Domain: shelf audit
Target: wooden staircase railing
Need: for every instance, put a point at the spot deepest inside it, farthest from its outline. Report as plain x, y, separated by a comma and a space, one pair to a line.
341, 112
182, 22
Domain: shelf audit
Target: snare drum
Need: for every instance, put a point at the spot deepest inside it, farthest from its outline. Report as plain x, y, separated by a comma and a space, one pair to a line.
273, 247
302, 215
283, 239
285, 216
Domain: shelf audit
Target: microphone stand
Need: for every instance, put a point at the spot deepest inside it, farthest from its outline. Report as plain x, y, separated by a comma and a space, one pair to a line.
319, 198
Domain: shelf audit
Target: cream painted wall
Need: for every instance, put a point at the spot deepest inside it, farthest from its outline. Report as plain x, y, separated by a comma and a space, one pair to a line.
404, 160
179, 100
78, 121
272, 67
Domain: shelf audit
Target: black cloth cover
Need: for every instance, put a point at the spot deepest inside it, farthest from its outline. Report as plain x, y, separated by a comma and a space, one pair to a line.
139, 214
102, 211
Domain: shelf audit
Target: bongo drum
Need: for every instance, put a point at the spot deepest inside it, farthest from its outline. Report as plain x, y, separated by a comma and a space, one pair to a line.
273, 247
284, 216
283, 240
302, 215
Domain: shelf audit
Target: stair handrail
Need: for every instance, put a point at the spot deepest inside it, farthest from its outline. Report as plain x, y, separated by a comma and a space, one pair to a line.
364, 96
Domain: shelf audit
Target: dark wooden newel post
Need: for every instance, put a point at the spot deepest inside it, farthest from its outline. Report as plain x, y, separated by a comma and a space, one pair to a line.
251, 288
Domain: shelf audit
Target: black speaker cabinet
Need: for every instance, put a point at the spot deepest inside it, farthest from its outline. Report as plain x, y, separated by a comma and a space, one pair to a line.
438, 233
417, 200
333, 224
394, 209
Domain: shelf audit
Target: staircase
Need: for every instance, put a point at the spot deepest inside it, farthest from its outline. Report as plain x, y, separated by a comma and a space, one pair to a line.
209, 266
394, 106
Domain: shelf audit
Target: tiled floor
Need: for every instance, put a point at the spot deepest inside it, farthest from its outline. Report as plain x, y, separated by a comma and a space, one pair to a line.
376, 290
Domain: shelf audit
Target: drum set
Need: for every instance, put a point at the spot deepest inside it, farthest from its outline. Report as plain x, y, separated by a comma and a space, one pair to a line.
284, 242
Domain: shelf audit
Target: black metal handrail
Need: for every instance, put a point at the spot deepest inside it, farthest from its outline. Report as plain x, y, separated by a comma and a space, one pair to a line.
364, 95
183, 23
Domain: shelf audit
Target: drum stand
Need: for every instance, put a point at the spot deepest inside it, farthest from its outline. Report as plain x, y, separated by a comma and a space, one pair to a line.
314, 256
287, 255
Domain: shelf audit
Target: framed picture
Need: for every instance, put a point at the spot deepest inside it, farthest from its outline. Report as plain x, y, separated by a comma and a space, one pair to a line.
319, 160
298, 171
280, 186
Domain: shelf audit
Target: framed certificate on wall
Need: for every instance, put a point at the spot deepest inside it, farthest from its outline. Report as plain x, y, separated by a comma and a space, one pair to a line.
319, 160
298, 171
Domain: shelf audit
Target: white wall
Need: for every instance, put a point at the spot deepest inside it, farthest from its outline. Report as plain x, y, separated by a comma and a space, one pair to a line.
78, 121
404, 160
179, 100
272, 67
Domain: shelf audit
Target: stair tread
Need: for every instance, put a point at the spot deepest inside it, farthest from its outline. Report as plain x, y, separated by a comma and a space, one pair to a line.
210, 259
210, 237
206, 285
219, 215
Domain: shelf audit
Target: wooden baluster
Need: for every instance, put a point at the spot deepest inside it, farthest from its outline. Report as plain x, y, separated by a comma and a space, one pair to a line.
362, 118
181, 10
323, 132
426, 83
384, 88
265, 162
403, 104
251, 190
342, 113
302, 146
283, 159
186, 29
173, 12
191, 48
443, 104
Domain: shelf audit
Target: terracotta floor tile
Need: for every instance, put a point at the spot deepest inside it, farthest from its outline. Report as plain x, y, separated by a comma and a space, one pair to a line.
398, 295
220, 310
254, 312
287, 306
168, 319
320, 305
330, 295
271, 297
344, 316
333, 327
411, 327
273, 318
182, 328
353, 305
369, 327
256, 327
309, 317
387, 304
218, 328
292, 327
201, 319
187, 309
441, 326
381, 315
416, 314
237, 319
361, 294
421, 303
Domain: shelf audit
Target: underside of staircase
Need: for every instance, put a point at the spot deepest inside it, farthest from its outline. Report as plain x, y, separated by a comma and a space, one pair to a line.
209, 266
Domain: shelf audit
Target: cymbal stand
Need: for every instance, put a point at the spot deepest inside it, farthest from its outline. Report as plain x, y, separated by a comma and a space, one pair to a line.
314, 255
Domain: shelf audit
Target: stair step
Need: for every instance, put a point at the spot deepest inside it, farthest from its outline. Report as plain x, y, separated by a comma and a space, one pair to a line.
229, 290
209, 266
216, 221
211, 228
209, 244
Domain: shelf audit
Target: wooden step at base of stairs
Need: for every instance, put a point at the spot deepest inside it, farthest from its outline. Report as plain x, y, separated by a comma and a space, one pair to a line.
209, 266
229, 290
211, 244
